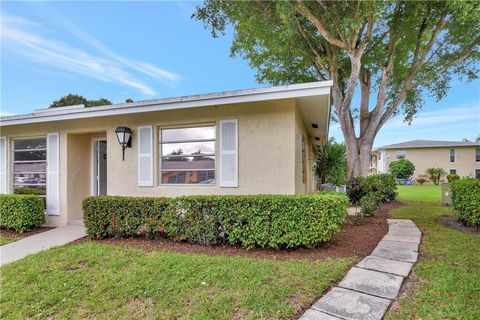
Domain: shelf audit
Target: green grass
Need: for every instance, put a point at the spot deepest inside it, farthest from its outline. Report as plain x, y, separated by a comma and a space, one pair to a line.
448, 271
101, 281
5, 239
426, 192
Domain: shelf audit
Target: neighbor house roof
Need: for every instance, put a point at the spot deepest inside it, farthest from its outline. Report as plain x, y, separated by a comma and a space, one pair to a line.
429, 144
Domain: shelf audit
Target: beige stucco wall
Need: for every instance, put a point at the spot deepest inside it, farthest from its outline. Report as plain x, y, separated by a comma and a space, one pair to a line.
269, 154
302, 186
424, 158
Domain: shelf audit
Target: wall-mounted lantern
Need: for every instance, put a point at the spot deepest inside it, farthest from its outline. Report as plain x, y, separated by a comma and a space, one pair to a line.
124, 135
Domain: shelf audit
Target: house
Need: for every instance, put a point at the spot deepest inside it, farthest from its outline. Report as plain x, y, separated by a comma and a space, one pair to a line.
257, 141
462, 158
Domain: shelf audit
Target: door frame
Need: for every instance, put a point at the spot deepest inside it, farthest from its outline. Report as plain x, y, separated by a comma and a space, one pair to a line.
94, 164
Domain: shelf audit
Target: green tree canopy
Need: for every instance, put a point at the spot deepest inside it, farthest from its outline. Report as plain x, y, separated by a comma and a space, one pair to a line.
75, 99
394, 52
402, 168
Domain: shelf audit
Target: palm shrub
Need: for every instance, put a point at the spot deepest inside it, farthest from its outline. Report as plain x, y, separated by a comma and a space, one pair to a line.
401, 168
331, 163
435, 174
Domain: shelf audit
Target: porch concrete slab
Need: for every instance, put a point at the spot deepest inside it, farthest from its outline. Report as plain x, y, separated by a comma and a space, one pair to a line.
372, 282
397, 254
411, 239
312, 314
348, 304
399, 268
41, 241
395, 245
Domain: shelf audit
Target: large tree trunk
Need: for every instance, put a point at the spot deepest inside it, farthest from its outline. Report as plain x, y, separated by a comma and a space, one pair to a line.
358, 156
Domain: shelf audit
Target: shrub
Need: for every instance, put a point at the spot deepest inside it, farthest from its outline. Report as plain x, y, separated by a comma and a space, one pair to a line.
330, 164
466, 200
274, 221
30, 190
421, 180
435, 174
21, 212
112, 216
452, 177
402, 168
382, 184
370, 203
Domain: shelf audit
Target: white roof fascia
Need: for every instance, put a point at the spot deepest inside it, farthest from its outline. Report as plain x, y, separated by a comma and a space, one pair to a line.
222, 98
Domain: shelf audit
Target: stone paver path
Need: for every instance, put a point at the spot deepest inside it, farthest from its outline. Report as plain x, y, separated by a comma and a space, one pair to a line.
41, 241
368, 288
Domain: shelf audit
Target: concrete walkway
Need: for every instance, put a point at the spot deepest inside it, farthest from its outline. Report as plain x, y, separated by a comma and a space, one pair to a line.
41, 241
368, 288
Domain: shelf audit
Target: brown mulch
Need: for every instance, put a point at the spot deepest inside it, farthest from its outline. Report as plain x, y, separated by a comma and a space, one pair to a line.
353, 240
453, 223
15, 234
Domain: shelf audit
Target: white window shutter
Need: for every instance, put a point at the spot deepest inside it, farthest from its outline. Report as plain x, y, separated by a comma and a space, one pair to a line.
53, 176
3, 165
229, 153
145, 156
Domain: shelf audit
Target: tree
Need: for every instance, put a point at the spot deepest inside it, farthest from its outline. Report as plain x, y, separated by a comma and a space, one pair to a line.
395, 52
330, 163
402, 168
72, 99
434, 174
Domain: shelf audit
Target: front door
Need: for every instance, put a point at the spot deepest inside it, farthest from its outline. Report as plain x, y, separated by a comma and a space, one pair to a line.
100, 168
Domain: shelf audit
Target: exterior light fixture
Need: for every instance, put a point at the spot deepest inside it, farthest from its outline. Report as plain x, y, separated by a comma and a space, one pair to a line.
124, 136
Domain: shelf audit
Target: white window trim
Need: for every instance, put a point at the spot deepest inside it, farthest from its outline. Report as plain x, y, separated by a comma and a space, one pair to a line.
400, 152
454, 155
215, 154
56, 212
4, 167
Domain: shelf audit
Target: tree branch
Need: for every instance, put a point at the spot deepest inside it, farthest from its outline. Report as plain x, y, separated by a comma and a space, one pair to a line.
320, 26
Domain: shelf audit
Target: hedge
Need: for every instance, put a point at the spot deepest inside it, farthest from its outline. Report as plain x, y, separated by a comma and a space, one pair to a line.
383, 185
21, 212
113, 216
466, 200
272, 221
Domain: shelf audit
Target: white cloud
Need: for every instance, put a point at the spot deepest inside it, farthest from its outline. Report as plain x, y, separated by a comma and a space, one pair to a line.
23, 36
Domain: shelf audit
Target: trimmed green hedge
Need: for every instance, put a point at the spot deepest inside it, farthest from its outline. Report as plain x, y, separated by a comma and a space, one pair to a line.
112, 216
21, 212
383, 185
466, 200
273, 221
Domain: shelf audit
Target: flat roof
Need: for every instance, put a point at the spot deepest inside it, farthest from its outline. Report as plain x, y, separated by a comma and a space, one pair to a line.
320, 88
429, 144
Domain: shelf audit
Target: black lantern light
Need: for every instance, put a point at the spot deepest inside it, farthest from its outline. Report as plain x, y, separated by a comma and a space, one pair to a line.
124, 135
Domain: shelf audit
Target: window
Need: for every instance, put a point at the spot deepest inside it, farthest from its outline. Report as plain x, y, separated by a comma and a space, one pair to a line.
452, 155
477, 154
400, 155
188, 155
304, 161
30, 166
477, 173
453, 171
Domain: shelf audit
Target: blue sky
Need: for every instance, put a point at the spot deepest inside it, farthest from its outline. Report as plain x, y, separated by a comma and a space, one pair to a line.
145, 50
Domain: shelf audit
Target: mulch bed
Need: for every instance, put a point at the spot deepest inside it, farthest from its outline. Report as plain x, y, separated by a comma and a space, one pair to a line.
15, 234
353, 240
453, 223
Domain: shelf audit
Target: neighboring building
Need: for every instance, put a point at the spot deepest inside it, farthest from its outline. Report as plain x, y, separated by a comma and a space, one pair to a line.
257, 141
462, 158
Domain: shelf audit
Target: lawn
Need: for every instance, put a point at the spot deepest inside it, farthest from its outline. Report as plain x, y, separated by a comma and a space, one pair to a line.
447, 275
7, 239
416, 192
104, 281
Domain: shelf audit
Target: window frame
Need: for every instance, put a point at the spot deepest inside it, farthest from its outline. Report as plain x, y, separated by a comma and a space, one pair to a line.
214, 154
453, 171
477, 173
12, 172
400, 152
477, 154
453, 155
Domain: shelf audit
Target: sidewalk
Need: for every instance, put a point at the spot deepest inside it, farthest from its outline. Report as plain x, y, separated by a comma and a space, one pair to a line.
42, 241
368, 288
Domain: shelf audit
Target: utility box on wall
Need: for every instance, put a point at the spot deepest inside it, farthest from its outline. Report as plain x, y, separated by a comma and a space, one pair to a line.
446, 194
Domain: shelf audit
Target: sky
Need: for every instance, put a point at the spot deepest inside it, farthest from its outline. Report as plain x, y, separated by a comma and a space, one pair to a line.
149, 50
